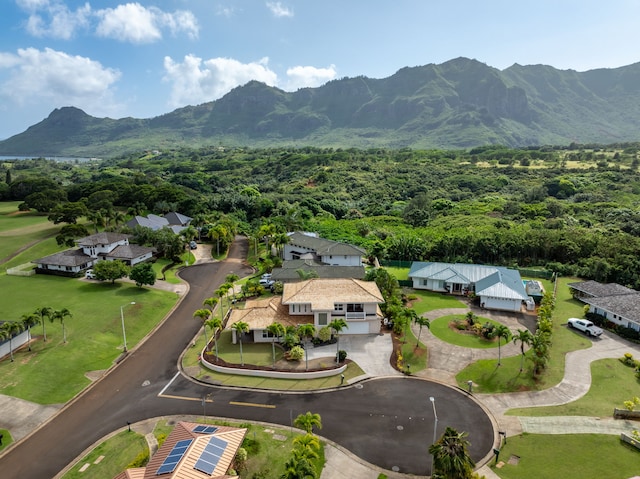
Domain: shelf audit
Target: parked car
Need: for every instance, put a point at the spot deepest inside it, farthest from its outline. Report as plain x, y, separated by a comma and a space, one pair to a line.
585, 326
89, 274
266, 276
266, 282
193, 245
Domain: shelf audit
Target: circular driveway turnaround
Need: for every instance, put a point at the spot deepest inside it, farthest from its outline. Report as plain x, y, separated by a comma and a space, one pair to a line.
387, 421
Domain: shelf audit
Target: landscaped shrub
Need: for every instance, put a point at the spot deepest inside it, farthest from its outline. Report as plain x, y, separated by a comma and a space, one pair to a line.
487, 330
628, 360
140, 460
342, 355
296, 353
628, 333
324, 334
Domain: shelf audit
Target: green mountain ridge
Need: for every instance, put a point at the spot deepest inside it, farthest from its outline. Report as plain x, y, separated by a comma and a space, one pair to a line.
457, 104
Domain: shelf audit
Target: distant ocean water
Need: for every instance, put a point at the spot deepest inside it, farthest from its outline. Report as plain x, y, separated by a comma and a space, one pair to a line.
55, 158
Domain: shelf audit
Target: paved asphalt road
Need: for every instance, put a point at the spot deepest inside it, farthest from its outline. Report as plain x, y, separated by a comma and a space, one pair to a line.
388, 422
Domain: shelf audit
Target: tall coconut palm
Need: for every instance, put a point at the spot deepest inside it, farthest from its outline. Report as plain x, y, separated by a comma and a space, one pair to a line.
308, 421
42, 312
203, 315
276, 330
240, 328
12, 328
211, 302
540, 343
338, 325
525, 337
28, 320
306, 331
214, 324
421, 321
501, 332
451, 458
60, 315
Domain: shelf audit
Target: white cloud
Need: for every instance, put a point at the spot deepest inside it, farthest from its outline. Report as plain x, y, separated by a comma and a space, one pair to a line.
301, 77
195, 81
55, 78
52, 18
279, 10
128, 22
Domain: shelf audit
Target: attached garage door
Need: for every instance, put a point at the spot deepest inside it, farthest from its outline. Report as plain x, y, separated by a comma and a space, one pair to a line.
357, 327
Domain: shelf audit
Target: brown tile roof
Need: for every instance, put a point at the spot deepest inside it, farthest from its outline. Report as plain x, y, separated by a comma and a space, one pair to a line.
322, 293
260, 313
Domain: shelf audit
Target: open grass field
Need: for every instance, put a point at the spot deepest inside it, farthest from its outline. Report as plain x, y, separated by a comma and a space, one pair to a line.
53, 372
575, 456
612, 384
441, 329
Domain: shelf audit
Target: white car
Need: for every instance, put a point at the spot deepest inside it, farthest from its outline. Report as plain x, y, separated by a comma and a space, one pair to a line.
585, 326
90, 274
266, 282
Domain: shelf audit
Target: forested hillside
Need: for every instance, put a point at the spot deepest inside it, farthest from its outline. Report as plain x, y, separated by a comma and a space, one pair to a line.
572, 210
460, 103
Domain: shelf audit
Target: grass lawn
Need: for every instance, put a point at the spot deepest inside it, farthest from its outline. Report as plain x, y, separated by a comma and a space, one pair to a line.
413, 357
191, 360
6, 438
401, 274
574, 456
440, 329
53, 372
118, 451
612, 383
508, 378
268, 448
430, 301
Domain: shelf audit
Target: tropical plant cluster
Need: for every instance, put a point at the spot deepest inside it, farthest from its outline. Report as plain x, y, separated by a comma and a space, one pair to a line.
306, 451
572, 210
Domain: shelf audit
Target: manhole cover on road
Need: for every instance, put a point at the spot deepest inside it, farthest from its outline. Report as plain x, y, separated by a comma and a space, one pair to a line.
395, 469
400, 428
359, 386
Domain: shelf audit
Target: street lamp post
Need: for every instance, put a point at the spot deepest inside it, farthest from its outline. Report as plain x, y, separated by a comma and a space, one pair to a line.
435, 428
124, 334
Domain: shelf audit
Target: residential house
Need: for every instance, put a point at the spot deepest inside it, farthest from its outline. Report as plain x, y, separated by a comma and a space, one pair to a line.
94, 248
17, 341
309, 246
301, 269
192, 451
498, 288
317, 301
174, 221
616, 303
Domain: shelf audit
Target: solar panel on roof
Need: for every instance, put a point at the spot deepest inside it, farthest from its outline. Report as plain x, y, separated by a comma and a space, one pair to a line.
205, 429
211, 455
174, 457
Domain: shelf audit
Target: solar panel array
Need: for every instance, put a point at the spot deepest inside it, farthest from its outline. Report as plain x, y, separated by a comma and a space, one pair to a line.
205, 429
211, 455
174, 457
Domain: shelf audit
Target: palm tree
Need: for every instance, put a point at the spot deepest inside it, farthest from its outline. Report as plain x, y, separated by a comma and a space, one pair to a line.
309, 444
501, 332
299, 468
290, 337
203, 315
338, 325
524, 336
240, 328
422, 321
211, 302
451, 458
306, 331
231, 278
11, 329
540, 343
276, 329
215, 324
28, 320
60, 315
308, 421
42, 312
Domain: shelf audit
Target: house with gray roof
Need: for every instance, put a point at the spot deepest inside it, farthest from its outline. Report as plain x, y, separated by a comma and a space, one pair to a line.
100, 246
334, 253
173, 220
498, 288
301, 269
616, 303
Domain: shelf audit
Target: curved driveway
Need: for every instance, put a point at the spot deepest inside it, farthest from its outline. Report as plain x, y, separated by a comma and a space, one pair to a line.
388, 422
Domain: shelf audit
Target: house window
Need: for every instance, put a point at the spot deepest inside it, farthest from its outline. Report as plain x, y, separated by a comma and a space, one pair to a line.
266, 334
338, 307
355, 308
322, 319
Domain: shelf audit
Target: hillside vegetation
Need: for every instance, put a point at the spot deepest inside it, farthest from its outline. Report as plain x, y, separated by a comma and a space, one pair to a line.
461, 103
574, 211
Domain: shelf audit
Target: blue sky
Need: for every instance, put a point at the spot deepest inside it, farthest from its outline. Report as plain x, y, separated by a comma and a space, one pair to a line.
142, 59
